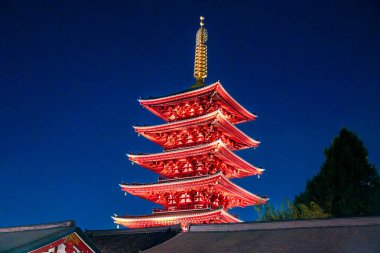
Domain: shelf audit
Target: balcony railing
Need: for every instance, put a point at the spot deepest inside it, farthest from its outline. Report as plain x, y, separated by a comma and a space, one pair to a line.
181, 208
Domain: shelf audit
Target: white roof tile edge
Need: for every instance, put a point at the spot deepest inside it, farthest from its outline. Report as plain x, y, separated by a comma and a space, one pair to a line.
290, 224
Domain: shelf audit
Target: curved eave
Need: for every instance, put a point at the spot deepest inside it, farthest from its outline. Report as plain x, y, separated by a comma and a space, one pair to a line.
175, 217
216, 118
216, 87
217, 147
230, 128
225, 152
234, 104
219, 181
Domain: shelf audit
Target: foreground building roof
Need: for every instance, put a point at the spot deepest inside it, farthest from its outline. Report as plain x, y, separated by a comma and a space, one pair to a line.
50, 237
299, 236
131, 240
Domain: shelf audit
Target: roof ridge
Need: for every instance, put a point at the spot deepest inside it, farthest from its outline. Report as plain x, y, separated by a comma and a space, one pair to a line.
179, 92
132, 230
69, 223
288, 224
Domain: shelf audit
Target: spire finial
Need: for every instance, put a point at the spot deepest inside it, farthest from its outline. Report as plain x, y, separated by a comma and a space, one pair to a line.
201, 18
200, 64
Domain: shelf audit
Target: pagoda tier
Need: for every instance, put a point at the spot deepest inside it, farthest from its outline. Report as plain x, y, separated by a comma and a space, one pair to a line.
198, 130
172, 218
197, 102
195, 193
199, 160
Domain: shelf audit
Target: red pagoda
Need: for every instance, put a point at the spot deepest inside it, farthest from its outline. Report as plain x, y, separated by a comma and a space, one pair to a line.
198, 161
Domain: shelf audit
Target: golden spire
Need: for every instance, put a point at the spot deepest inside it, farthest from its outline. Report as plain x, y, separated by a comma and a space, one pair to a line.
200, 63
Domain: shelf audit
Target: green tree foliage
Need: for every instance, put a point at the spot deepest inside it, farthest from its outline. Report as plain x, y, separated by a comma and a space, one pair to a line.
347, 185
289, 211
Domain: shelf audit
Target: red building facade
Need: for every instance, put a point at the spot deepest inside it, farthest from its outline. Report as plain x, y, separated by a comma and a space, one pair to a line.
198, 161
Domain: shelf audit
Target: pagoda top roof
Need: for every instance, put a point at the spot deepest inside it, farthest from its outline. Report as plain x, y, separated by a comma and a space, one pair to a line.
218, 180
216, 117
217, 148
172, 94
215, 88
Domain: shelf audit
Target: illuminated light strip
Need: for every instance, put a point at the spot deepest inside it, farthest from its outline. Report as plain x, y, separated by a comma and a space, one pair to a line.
183, 215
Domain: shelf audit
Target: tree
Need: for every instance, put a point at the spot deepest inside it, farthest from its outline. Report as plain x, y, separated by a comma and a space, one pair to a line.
289, 211
347, 184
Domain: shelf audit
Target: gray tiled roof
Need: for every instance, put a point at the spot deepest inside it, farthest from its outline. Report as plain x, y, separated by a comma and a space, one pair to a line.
321, 235
131, 240
31, 237
14, 237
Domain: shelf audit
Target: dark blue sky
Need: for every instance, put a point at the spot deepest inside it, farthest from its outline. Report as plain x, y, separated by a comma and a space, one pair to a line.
71, 71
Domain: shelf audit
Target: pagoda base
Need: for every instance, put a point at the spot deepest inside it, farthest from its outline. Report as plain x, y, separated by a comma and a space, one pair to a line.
185, 218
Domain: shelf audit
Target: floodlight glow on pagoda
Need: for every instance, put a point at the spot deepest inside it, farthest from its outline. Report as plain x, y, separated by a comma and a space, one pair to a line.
198, 161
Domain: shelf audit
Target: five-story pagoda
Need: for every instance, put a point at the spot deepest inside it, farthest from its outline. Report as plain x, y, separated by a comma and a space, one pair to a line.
198, 161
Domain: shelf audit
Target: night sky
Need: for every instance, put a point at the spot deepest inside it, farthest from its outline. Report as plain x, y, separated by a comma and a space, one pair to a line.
71, 73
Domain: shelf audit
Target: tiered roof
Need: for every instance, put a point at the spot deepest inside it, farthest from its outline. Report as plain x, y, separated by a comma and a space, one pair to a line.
235, 112
218, 183
172, 218
232, 165
232, 136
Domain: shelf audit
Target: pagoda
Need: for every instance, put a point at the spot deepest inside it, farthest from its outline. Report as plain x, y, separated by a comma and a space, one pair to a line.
198, 160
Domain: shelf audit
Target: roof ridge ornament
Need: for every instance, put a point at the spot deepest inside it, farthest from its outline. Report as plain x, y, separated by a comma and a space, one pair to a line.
200, 62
